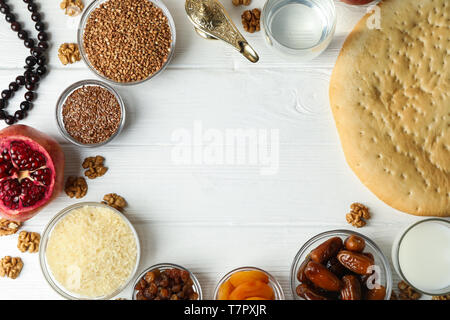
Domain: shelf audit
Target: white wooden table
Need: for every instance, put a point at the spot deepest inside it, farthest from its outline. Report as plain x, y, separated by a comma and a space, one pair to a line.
208, 218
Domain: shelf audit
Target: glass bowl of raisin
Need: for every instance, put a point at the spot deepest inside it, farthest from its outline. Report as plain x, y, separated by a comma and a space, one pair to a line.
167, 281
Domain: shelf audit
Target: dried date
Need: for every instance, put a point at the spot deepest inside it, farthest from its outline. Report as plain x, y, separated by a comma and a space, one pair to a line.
326, 250
336, 267
355, 243
377, 293
306, 292
301, 271
355, 262
351, 289
321, 277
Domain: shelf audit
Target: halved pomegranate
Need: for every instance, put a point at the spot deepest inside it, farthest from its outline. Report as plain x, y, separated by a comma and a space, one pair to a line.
31, 171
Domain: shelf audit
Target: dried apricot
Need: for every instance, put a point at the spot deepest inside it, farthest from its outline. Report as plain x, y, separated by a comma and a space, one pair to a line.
252, 289
224, 291
256, 298
239, 278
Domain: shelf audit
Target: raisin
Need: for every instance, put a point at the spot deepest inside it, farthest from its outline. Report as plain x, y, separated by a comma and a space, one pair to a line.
173, 284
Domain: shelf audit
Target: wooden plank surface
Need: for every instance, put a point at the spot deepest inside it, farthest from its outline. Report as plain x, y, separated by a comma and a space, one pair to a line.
209, 218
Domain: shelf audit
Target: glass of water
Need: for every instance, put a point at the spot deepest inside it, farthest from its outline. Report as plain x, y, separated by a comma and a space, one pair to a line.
299, 29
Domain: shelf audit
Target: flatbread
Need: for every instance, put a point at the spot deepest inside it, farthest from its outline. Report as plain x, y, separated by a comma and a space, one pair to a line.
389, 94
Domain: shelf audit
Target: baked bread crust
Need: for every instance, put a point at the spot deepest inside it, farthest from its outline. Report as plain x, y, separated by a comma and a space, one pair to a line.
389, 93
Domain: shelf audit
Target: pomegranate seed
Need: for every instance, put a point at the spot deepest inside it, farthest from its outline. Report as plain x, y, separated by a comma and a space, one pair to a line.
24, 157
5, 169
31, 193
5, 155
42, 175
30, 190
10, 191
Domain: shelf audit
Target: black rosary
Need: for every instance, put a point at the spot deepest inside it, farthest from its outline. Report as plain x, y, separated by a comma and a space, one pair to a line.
35, 67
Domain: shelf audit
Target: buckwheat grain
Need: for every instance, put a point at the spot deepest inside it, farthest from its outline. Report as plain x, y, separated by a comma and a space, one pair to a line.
127, 40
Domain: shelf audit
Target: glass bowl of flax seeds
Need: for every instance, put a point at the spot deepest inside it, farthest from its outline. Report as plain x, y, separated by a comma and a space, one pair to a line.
126, 42
90, 113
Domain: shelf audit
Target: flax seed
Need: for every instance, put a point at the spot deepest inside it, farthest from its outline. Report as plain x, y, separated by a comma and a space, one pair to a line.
91, 114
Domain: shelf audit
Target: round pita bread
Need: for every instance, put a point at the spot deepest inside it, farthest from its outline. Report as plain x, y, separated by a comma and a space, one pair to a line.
389, 94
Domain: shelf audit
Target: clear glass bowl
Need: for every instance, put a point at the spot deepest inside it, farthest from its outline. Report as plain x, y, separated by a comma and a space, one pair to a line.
164, 266
288, 27
396, 260
380, 260
273, 283
66, 93
43, 248
83, 21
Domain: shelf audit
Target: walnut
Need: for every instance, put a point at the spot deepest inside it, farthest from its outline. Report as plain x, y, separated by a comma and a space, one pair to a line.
241, 2
76, 187
28, 241
8, 227
10, 267
355, 220
72, 7
115, 201
358, 215
95, 167
407, 292
361, 210
250, 20
446, 297
69, 53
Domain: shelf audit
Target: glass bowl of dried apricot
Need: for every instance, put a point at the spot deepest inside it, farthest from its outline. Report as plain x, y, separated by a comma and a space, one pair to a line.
248, 283
341, 265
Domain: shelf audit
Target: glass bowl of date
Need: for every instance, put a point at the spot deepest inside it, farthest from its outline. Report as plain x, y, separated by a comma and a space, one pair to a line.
89, 251
248, 283
141, 50
340, 265
167, 281
90, 118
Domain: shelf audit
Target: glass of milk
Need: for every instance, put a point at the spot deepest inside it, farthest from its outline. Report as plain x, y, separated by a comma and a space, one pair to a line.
421, 256
299, 29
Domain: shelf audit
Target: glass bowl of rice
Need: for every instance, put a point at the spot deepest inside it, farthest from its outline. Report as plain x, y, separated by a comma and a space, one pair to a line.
89, 251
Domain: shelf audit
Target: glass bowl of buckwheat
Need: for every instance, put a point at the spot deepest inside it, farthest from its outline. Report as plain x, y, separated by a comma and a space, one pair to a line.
126, 42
